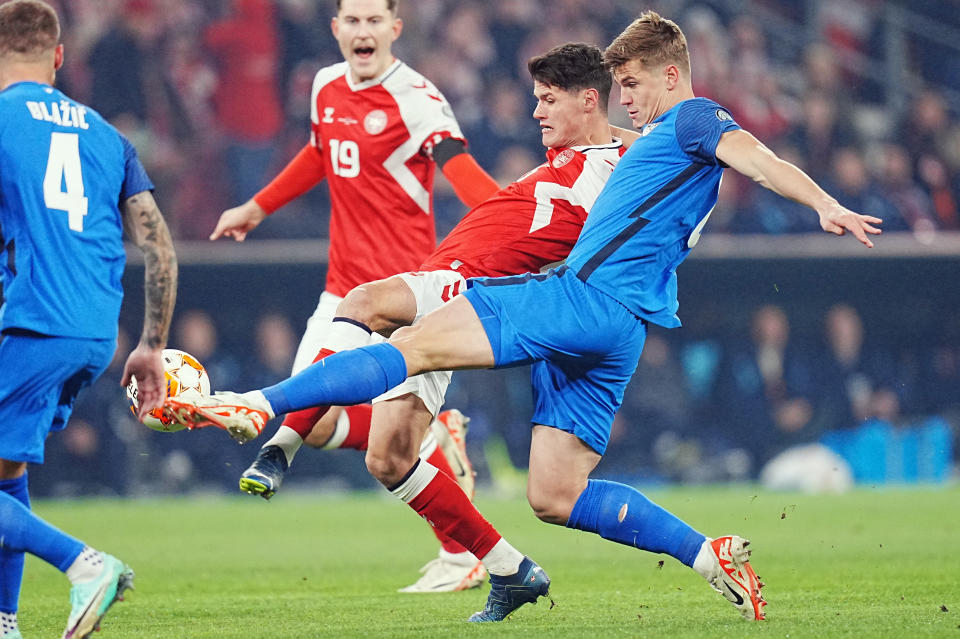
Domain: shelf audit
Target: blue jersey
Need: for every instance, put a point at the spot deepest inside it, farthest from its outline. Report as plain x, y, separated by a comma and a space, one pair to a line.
63, 173
652, 209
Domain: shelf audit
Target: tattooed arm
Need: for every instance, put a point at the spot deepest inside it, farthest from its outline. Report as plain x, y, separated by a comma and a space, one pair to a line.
147, 229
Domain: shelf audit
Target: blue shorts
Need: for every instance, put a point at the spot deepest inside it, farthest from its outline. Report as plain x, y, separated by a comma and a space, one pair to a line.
40, 379
583, 344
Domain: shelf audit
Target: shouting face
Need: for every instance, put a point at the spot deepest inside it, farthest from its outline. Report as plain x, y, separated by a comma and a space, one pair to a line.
365, 30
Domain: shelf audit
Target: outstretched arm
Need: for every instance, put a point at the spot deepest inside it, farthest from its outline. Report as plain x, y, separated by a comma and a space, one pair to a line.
300, 175
741, 151
147, 229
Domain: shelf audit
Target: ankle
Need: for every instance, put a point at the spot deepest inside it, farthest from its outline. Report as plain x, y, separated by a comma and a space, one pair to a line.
88, 565
8, 623
705, 563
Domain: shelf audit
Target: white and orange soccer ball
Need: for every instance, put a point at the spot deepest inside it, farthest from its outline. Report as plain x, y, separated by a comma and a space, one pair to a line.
186, 379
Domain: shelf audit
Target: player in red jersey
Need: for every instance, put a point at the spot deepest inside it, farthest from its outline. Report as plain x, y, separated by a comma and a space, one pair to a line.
524, 227
378, 130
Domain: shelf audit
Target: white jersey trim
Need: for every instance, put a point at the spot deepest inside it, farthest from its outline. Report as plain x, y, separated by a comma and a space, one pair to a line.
424, 111
598, 164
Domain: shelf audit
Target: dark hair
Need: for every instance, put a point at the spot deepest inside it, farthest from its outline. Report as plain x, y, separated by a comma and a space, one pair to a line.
653, 41
391, 6
572, 67
28, 27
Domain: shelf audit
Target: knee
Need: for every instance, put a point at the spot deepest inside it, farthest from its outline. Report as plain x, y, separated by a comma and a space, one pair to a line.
551, 506
387, 468
360, 305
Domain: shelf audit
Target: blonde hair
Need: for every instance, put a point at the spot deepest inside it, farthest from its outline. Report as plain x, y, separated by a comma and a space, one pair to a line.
28, 28
653, 41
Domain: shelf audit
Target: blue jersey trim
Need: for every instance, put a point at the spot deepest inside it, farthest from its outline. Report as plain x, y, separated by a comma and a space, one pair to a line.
634, 227
510, 280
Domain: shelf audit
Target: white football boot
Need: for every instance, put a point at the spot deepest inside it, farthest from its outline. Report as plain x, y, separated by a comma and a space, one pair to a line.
450, 431
242, 415
449, 573
724, 562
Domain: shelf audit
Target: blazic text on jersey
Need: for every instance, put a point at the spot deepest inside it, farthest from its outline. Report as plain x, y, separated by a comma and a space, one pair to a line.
62, 113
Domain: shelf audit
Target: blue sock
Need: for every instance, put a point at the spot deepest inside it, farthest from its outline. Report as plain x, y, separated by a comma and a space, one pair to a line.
342, 379
11, 561
22, 531
622, 514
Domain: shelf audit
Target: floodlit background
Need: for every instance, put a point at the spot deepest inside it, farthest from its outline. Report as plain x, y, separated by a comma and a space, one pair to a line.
790, 337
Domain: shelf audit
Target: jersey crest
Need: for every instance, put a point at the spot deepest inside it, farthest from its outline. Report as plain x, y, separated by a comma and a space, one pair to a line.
375, 122
563, 158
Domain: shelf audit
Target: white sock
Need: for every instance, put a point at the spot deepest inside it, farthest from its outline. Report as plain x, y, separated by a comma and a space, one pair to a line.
258, 400
706, 562
346, 335
288, 440
88, 565
8, 623
503, 559
464, 558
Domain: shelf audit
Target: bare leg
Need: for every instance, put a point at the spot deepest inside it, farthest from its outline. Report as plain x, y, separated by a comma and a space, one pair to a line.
395, 436
560, 466
451, 337
12, 469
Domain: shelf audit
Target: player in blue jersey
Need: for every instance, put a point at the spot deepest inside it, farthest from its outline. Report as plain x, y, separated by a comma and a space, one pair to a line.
582, 327
69, 185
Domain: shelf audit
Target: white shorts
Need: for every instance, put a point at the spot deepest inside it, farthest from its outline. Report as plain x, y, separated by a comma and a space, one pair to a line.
431, 290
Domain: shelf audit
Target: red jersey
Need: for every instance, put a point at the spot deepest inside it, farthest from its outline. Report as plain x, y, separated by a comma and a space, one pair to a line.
533, 222
377, 139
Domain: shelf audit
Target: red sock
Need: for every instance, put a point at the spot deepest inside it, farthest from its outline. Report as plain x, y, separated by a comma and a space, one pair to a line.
438, 459
302, 421
444, 505
358, 432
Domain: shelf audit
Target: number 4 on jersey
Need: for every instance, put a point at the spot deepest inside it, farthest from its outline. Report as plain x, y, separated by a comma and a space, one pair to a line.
63, 182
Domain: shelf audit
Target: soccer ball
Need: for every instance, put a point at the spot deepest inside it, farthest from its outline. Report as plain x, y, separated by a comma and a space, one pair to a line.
186, 378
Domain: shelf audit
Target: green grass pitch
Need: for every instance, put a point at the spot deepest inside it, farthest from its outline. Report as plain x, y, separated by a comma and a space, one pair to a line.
873, 563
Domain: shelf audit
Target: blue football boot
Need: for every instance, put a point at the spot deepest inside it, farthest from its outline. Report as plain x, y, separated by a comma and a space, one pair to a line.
265, 474
510, 592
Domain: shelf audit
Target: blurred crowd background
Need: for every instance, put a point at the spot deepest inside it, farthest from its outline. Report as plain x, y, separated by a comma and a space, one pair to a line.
862, 94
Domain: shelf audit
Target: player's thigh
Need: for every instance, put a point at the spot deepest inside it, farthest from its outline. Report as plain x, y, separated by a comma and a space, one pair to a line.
450, 337
50, 372
581, 397
318, 326
592, 354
